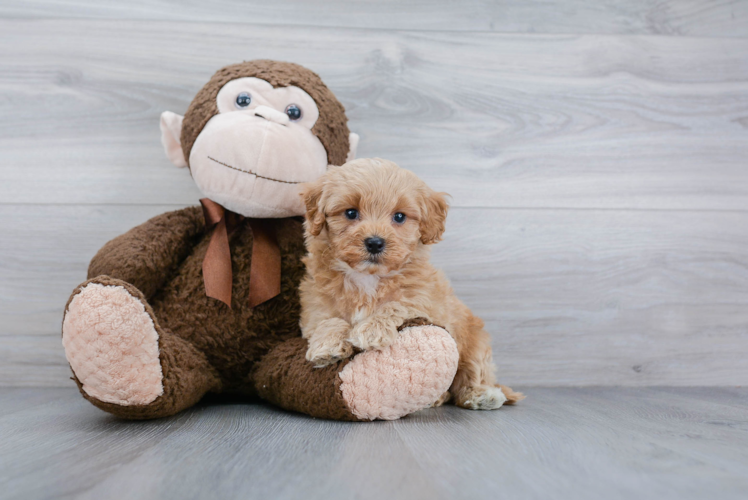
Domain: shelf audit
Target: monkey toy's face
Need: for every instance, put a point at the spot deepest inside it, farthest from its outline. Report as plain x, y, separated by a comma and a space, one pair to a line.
254, 153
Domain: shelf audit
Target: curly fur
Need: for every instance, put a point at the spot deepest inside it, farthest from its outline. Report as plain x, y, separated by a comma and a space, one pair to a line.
351, 298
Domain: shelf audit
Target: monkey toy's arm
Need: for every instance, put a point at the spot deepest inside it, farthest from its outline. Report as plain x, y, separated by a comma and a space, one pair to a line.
147, 255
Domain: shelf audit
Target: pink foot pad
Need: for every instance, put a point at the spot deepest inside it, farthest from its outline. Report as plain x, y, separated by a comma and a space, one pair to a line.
405, 377
111, 344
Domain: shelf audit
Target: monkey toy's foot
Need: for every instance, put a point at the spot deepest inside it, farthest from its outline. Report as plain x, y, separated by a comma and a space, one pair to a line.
111, 343
123, 362
407, 376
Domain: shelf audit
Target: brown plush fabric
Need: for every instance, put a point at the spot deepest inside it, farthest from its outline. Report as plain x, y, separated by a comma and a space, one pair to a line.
284, 377
187, 376
204, 344
331, 127
149, 254
233, 339
166, 261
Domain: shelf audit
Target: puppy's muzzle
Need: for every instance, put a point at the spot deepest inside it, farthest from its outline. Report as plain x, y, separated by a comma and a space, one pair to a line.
375, 245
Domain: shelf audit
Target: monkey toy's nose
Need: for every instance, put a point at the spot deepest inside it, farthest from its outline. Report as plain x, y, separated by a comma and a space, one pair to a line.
374, 245
271, 115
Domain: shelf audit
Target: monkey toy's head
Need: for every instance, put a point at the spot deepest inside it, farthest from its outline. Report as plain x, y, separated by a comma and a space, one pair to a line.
257, 131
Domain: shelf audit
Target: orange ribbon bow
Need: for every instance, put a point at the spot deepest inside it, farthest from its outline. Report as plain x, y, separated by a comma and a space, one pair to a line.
265, 268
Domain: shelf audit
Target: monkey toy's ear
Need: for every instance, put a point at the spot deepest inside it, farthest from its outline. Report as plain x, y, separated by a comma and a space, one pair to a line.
171, 131
353, 142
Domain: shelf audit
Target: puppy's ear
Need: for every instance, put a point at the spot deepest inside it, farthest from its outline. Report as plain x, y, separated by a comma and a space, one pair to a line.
434, 208
311, 193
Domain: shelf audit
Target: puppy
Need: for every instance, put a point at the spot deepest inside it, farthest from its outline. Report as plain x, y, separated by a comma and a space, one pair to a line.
368, 228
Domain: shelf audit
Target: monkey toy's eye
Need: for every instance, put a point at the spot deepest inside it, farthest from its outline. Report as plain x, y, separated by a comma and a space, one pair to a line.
351, 214
293, 111
243, 100
399, 217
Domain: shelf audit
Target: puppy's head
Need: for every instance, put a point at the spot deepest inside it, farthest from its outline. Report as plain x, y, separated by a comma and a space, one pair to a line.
373, 214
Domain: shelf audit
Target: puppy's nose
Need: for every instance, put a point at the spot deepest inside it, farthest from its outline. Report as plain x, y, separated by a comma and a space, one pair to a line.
374, 245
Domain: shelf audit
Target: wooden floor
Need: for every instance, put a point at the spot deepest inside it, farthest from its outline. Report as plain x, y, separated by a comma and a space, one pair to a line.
596, 443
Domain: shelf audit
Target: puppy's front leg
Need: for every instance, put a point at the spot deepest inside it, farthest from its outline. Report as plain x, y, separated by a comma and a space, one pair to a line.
380, 329
328, 342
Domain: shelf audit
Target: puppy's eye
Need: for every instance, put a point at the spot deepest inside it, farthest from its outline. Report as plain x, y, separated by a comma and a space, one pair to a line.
243, 100
399, 217
351, 214
293, 112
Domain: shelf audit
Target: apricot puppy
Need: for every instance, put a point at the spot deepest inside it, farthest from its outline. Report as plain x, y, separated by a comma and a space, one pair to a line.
369, 225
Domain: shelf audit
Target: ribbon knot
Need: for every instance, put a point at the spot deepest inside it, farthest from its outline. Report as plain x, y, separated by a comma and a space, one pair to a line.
265, 268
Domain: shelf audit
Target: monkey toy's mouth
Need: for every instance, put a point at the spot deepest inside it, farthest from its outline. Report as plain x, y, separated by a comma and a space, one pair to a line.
252, 173
253, 167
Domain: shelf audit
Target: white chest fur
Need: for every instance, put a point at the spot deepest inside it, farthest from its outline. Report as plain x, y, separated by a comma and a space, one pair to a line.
361, 282
357, 282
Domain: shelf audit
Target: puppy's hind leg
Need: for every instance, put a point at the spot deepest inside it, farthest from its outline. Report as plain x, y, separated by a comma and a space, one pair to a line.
474, 386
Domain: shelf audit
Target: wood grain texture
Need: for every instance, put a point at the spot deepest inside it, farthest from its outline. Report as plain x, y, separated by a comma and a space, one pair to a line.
597, 167
552, 121
572, 297
588, 443
724, 18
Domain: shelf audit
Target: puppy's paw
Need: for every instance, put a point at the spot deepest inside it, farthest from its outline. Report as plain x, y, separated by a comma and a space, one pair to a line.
328, 344
373, 335
326, 351
482, 397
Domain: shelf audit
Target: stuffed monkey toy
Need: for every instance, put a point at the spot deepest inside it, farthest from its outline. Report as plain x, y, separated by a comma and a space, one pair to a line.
205, 299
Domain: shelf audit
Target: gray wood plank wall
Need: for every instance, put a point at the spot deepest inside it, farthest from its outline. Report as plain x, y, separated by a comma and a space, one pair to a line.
597, 154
